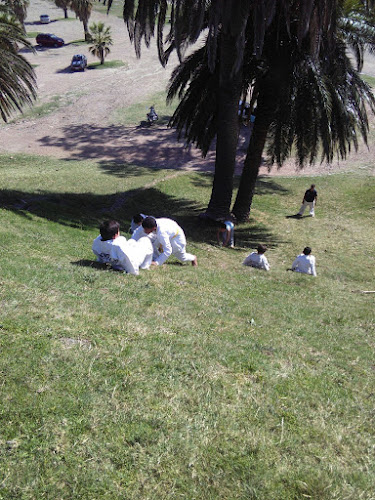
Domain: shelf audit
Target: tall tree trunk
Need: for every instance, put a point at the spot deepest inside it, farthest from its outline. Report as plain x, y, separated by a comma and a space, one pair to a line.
265, 112
227, 132
65, 13
86, 30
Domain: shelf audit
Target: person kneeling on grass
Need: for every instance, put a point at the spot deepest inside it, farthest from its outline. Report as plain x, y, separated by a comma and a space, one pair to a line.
225, 234
168, 238
258, 259
113, 249
305, 263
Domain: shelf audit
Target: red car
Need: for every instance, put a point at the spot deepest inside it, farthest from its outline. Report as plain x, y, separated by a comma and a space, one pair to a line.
49, 40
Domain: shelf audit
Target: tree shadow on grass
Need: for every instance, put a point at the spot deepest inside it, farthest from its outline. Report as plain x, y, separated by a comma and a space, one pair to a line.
155, 147
88, 210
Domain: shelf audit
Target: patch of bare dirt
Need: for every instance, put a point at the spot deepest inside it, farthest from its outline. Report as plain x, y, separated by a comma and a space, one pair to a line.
81, 127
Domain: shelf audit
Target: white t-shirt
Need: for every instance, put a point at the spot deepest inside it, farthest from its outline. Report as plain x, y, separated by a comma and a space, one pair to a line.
304, 264
258, 260
131, 255
102, 249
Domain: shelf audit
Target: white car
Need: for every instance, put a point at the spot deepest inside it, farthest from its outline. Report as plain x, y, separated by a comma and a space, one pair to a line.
44, 19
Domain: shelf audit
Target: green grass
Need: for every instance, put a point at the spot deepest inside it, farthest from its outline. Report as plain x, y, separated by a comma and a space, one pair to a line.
78, 43
107, 64
369, 79
32, 34
136, 113
46, 108
220, 382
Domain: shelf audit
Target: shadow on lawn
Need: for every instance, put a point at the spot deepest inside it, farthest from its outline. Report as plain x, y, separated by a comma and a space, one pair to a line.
87, 210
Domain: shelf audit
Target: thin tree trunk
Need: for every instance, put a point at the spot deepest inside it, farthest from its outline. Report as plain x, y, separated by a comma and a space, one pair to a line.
253, 160
86, 30
227, 133
65, 13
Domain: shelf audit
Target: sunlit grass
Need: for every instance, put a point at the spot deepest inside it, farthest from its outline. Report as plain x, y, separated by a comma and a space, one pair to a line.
210, 383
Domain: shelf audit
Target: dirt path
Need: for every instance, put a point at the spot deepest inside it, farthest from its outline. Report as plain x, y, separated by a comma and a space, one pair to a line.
81, 126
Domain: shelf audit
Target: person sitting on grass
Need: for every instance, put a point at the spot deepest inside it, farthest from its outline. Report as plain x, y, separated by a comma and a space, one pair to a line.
109, 232
258, 259
122, 255
305, 263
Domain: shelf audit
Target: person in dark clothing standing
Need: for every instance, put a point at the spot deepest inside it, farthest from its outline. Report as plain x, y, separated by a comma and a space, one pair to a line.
309, 200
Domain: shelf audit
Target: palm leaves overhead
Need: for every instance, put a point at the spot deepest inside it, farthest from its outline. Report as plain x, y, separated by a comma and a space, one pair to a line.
19, 9
319, 104
82, 9
189, 18
17, 77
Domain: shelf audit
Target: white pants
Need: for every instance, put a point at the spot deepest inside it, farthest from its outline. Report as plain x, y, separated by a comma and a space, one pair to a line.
305, 203
178, 244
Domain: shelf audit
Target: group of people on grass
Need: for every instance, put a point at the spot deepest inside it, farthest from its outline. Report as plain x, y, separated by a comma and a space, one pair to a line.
154, 240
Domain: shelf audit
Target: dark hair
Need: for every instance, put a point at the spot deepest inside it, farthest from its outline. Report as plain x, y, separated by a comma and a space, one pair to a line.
149, 223
137, 218
307, 250
312, 186
108, 229
262, 248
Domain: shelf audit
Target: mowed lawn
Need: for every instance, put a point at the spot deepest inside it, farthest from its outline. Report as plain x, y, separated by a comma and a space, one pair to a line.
221, 382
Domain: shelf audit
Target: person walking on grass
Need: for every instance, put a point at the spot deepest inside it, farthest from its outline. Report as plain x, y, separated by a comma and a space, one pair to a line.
258, 259
305, 263
168, 238
309, 199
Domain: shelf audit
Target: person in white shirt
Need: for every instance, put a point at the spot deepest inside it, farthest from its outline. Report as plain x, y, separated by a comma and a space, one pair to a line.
131, 255
258, 259
136, 222
109, 232
113, 249
168, 238
305, 263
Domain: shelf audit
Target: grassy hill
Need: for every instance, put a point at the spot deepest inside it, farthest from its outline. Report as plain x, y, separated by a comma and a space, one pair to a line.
220, 382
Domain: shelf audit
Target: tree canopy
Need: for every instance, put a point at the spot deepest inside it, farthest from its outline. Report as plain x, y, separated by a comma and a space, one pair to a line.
17, 77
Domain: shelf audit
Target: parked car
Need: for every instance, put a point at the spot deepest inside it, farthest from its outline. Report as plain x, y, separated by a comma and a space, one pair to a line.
44, 19
79, 63
49, 40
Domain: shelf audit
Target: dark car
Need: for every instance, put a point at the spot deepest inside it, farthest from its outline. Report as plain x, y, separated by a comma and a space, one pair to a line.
79, 63
49, 40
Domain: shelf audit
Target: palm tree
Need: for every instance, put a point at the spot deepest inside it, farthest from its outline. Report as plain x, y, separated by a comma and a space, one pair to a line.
19, 9
314, 102
17, 77
64, 5
232, 25
82, 9
101, 40
308, 96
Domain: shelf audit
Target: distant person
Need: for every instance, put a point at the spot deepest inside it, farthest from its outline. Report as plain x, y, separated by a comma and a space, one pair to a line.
168, 239
305, 263
136, 222
309, 199
225, 234
258, 259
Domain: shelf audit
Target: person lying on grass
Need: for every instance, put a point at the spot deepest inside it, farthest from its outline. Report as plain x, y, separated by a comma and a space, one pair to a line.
122, 255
